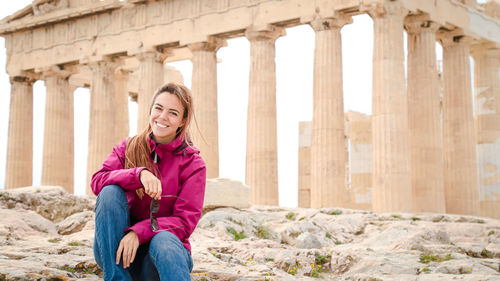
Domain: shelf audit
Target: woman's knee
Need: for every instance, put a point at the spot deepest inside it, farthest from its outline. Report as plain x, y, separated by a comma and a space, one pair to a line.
167, 247
110, 194
111, 197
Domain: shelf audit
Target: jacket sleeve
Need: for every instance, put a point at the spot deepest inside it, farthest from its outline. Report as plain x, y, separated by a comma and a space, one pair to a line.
187, 213
112, 172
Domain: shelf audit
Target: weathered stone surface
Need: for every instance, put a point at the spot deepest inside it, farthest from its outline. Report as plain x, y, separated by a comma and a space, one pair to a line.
226, 193
75, 222
51, 202
272, 243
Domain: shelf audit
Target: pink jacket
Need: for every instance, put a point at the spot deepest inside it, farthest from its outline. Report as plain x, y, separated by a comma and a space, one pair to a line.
183, 174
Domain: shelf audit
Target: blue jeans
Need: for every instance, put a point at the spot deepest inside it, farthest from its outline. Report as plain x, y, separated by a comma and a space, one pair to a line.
163, 258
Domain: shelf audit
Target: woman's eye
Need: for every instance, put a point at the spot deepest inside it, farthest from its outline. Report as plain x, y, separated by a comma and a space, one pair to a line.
174, 113
157, 108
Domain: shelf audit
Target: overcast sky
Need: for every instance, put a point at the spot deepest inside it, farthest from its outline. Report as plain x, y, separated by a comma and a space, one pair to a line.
294, 67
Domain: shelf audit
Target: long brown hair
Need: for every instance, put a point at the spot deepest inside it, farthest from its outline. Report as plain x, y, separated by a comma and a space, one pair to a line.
137, 153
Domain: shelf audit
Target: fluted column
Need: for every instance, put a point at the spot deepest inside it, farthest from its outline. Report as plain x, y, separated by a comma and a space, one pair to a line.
459, 146
19, 171
102, 136
58, 143
121, 108
261, 155
328, 158
424, 116
391, 170
150, 79
487, 102
204, 88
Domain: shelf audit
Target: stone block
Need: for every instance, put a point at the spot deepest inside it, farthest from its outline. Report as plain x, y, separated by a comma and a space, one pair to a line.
226, 193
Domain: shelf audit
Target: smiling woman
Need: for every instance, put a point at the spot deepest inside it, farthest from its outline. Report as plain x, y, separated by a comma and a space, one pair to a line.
157, 170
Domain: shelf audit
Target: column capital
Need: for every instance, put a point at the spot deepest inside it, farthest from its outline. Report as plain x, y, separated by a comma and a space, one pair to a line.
339, 21
153, 55
57, 71
382, 10
22, 79
453, 38
212, 44
107, 63
418, 23
485, 48
271, 33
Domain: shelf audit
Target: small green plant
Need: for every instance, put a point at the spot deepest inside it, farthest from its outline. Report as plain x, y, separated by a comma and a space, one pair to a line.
316, 270
67, 268
291, 216
292, 271
236, 222
328, 235
321, 260
415, 219
491, 232
436, 258
486, 254
269, 259
262, 232
237, 235
396, 216
337, 242
425, 269
74, 243
480, 221
336, 212
54, 240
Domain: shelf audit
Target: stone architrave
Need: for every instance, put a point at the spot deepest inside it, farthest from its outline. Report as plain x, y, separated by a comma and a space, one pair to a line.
262, 150
204, 87
102, 139
328, 157
459, 144
304, 184
487, 104
19, 171
424, 116
390, 161
122, 120
150, 79
58, 144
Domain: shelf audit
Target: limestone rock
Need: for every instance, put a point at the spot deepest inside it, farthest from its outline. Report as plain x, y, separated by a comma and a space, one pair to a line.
75, 222
226, 193
249, 244
51, 202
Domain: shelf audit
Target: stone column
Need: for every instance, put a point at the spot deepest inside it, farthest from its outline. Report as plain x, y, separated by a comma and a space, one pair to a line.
58, 143
459, 144
487, 102
150, 79
262, 150
328, 158
19, 171
102, 136
424, 116
304, 184
122, 120
204, 88
391, 170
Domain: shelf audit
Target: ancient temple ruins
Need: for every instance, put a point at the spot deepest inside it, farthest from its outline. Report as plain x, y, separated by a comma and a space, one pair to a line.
429, 150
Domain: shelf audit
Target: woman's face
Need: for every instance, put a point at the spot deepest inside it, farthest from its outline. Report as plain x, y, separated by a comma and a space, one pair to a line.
166, 117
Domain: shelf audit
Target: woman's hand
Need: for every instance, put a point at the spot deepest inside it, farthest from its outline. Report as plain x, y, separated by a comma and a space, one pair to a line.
152, 185
128, 245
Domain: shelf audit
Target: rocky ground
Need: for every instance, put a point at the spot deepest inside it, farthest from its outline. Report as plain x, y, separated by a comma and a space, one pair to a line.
47, 234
